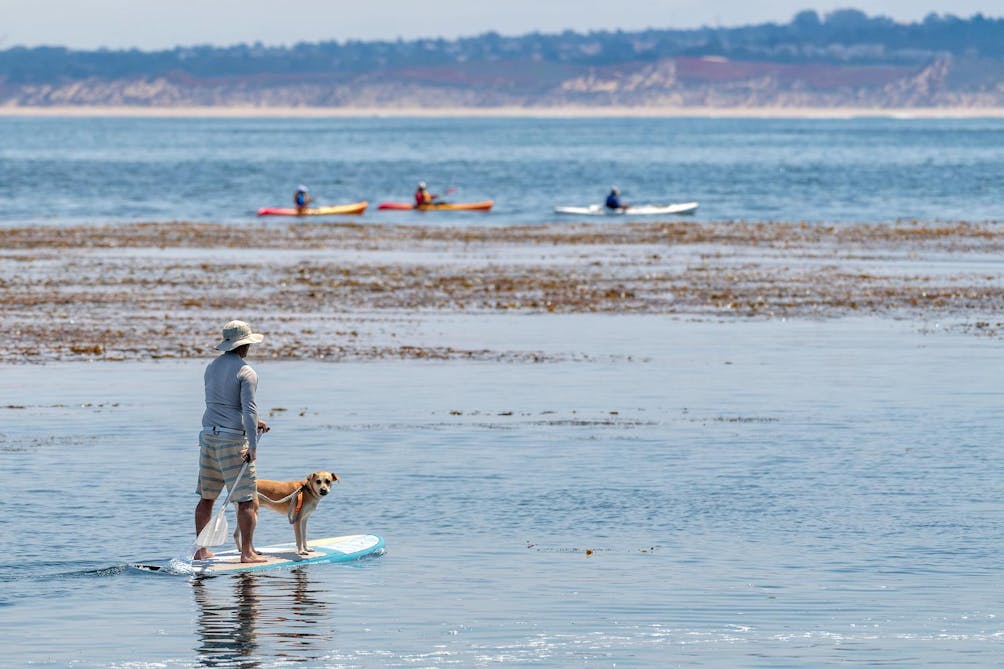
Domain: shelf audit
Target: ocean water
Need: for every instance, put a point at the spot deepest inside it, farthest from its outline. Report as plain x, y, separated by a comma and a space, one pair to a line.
754, 493
91, 170
672, 492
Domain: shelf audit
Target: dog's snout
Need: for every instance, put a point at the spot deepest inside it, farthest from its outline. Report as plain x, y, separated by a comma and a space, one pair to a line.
324, 491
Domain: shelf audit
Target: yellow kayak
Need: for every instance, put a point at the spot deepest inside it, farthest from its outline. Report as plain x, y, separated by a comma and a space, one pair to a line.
339, 209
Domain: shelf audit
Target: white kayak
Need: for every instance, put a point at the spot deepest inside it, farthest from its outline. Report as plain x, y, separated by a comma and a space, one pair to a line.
639, 210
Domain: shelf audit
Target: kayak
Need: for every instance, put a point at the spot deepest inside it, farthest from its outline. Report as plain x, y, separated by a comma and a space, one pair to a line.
439, 206
339, 209
640, 210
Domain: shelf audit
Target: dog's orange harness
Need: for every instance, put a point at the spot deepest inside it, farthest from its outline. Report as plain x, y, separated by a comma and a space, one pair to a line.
296, 504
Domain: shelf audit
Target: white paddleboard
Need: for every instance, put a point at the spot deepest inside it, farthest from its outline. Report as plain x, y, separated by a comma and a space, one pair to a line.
639, 210
332, 549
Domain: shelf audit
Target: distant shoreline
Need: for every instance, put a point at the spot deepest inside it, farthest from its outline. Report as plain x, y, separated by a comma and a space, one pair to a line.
502, 112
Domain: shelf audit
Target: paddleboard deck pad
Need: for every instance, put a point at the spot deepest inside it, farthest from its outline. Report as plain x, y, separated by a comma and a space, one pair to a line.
332, 549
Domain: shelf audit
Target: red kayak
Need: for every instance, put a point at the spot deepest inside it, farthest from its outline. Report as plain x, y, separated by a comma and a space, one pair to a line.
439, 206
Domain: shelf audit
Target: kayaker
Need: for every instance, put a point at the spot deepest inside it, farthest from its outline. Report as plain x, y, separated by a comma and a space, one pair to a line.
301, 199
614, 199
423, 197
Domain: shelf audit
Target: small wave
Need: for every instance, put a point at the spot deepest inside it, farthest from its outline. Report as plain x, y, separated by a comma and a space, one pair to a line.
746, 419
100, 571
589, 552
34, 575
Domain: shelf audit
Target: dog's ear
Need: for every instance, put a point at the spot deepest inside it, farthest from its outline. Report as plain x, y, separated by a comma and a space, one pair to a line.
334, 477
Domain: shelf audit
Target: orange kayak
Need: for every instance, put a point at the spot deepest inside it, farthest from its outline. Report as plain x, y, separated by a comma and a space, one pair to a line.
340, 209
439, 206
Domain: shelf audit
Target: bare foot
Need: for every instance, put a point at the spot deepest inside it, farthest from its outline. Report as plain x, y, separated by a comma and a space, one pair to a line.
256, 557
202, 554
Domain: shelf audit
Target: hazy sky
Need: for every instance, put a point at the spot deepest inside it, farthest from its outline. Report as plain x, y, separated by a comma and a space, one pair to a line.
158, 24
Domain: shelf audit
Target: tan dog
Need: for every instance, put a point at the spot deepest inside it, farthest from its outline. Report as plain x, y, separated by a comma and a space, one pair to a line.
296, 499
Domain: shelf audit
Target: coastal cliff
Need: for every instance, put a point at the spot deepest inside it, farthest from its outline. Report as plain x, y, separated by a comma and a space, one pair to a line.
847, 60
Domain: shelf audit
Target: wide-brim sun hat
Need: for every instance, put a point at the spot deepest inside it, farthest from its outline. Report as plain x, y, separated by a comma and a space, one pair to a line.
238, 333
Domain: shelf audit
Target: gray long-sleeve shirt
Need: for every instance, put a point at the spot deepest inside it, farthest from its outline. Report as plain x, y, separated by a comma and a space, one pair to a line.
230, 396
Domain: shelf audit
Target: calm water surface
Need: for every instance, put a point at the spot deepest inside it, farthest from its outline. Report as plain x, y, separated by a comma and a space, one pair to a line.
58, 171
759, 494
768, 494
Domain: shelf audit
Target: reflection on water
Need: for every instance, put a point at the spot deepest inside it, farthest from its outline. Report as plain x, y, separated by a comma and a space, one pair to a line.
249, 618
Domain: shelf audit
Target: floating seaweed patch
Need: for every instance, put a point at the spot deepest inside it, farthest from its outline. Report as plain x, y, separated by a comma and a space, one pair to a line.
736, 270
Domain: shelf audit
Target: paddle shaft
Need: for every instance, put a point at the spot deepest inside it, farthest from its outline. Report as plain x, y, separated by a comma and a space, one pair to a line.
240, 475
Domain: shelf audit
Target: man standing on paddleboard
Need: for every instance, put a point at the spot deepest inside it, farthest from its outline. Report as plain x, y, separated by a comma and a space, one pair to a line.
229, 437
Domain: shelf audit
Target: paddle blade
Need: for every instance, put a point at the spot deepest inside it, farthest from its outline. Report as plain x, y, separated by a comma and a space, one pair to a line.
215, 532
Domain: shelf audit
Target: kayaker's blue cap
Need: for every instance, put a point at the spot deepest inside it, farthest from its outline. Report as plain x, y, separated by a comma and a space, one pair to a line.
301, 189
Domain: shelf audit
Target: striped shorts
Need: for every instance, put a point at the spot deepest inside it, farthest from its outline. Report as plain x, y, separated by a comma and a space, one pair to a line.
220, 460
